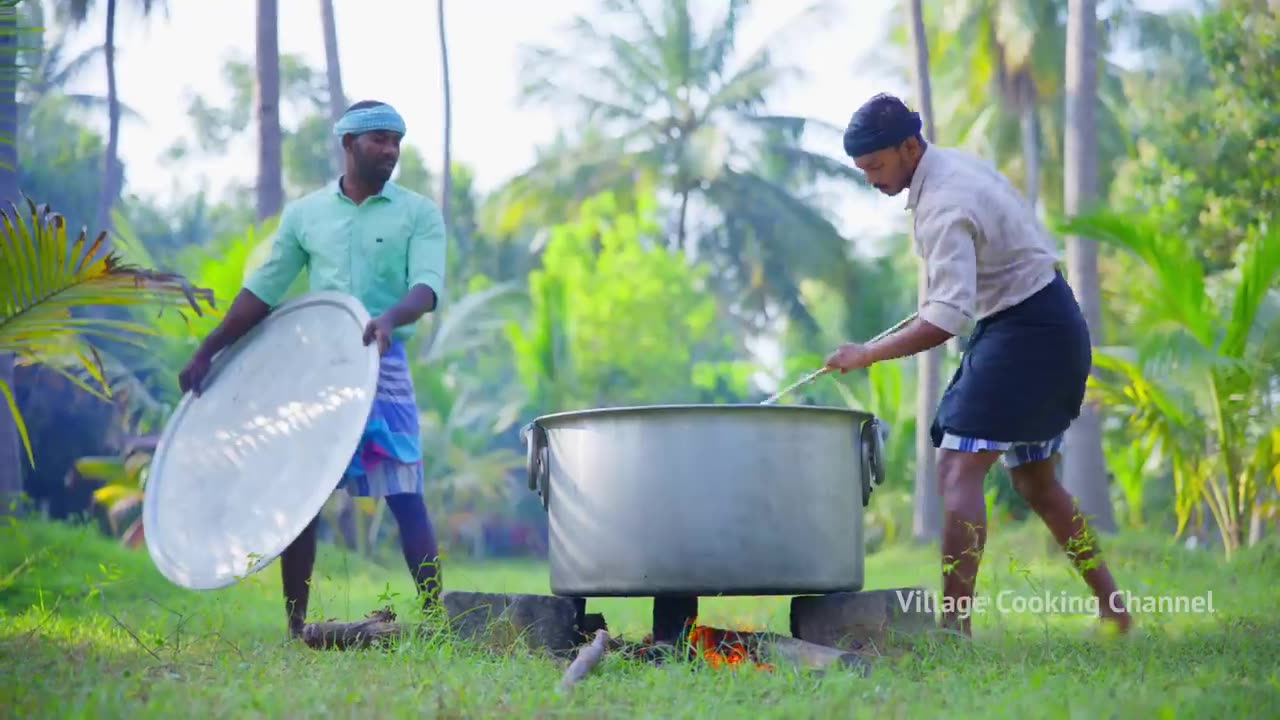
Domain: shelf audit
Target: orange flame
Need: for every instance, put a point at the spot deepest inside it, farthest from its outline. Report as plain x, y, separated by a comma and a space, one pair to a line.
719, 649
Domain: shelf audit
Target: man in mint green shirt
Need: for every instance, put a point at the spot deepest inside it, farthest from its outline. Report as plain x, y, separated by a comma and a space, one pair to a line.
365, 236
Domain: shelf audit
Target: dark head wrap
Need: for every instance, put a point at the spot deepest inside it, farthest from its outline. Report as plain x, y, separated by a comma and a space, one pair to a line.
882, 122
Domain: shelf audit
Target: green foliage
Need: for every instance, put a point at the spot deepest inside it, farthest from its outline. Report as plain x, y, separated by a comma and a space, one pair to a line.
308, 161
119, 482
617, 318
13, 32
60, 160
1206, 152
662, 96
998, 83
466, 398
1196, 386
46, 278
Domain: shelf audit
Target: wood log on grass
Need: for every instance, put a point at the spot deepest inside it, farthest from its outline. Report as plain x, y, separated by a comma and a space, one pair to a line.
378, 627
772, 647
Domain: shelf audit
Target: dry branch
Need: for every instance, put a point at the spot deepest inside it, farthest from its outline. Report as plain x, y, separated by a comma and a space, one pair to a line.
587, 659
378, 627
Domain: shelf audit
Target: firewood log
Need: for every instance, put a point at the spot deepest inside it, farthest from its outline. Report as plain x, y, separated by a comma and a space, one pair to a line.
807, 655
379, 626
587, 659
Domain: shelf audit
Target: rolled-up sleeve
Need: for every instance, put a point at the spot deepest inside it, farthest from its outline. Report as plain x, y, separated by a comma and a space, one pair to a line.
427, 250
947, 245
287, 258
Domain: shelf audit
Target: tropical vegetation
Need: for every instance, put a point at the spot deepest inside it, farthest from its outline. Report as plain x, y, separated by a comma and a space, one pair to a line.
676, 241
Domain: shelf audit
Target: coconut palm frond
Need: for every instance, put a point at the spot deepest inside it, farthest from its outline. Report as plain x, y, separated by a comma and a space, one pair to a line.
44, 278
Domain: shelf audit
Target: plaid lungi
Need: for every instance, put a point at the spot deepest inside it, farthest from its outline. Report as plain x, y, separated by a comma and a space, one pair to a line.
388, 460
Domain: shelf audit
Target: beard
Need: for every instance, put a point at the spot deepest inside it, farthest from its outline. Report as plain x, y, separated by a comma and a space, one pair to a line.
374, 172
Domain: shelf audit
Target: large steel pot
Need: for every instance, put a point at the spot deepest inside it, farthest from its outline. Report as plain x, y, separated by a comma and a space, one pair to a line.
705, 499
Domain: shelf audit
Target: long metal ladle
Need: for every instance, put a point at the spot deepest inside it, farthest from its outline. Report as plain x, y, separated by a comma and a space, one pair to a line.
824, 370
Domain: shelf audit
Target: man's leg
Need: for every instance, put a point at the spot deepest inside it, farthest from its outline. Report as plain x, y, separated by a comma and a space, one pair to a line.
964, 531
296, 564
1035, 481
418, 542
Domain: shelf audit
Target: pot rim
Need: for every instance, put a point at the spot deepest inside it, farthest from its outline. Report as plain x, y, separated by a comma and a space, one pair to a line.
861, 415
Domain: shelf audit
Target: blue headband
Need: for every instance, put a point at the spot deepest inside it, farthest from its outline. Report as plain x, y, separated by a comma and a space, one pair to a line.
378, 117
862, 139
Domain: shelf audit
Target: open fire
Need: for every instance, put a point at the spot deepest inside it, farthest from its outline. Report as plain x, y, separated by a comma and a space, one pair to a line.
724, 648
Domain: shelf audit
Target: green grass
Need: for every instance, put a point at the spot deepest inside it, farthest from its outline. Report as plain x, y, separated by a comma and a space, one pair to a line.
88, 629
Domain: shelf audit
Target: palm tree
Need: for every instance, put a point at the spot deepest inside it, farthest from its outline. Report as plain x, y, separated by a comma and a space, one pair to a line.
10, 465
926, 521
45, 278
446, 176
662, 102
999, 65
112, 173
1198, 385
267, 111
1084, 466
333, 71
50, 69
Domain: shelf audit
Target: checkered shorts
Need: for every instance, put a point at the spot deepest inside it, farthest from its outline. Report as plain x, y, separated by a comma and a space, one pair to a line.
1012, 455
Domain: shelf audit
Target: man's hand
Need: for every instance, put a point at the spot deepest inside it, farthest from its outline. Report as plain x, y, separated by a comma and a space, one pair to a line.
193, 375
246, 311
379, 329
850, 356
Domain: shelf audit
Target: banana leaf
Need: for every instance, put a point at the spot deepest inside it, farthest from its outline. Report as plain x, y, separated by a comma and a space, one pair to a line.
45, 280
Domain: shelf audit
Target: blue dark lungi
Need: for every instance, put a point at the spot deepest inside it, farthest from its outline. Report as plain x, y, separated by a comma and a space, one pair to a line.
388, 460
1021, 381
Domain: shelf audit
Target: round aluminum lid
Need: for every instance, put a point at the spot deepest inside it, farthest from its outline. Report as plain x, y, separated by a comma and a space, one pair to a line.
240, 471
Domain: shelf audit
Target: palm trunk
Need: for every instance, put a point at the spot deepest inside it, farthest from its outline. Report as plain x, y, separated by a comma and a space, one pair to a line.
333, 70
11, 454
1084, 467
267, 92
1030, 137
110, 188
446, 180
926, 520
684, 219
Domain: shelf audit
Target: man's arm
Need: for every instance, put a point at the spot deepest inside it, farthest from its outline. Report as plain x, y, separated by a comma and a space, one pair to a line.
246, 311
917, 337
425, 269
420, 300
263, 290
948, 310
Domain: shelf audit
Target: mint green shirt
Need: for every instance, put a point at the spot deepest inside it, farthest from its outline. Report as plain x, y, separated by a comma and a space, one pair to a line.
374, 251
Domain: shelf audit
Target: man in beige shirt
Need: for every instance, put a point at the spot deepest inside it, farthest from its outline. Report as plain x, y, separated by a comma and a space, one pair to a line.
993, 276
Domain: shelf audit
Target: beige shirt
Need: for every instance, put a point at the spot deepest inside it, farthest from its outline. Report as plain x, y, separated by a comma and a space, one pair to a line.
980, 240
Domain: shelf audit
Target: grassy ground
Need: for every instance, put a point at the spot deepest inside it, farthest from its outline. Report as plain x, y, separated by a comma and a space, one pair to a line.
88, 629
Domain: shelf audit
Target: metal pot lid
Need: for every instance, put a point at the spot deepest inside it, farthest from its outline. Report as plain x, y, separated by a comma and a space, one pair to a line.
240, 471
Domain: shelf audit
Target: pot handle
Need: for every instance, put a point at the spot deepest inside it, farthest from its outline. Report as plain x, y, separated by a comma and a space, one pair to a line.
872, 457
535, 439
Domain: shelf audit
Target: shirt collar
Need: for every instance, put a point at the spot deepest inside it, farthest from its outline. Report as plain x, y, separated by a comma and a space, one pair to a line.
927, 162
388, 193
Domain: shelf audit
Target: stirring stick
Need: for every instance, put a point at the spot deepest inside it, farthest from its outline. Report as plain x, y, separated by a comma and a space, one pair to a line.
824, 370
